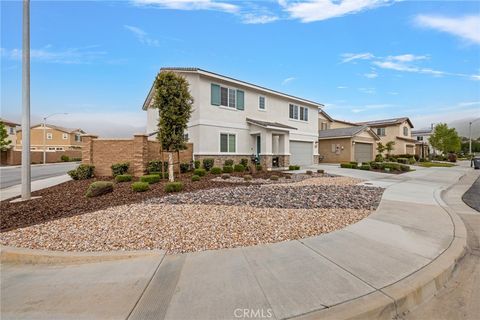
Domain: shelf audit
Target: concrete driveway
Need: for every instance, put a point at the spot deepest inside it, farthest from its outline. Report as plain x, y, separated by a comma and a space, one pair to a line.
11, 176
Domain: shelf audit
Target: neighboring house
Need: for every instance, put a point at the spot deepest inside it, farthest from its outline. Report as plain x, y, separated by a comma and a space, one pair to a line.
398, 130
422, 145
234, 119
55, 138
341, 141
11, 126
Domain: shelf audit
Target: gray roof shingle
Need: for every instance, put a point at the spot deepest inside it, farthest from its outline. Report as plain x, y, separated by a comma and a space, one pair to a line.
340, 132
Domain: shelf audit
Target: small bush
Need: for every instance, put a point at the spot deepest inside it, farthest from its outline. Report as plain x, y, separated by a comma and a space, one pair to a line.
208, 163
404, 167
195, 178
273, 177
412, 160
156, 166
258, 167
75, 159
291, 167
123, 178
392, 166
200, 172
309, 172
247, 177
165, 174
297, 167
99, 188
225, 176
377, 165
184, 167
379, 158
244, 162
119, 168
65, 158
355, 163
228, 162
196, 164
346, 165
140, 186
320, 171
402, 160
150, 178
238, 168
173, 187
216, 170
365, 167
392, 159
84, 171
227, 169
422, 160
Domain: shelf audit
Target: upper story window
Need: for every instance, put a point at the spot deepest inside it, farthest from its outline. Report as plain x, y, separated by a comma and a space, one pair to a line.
261, 103
419, 138
380, 131
78, 138
405, 131
227, 97
298, 113
65, 136
324, 126
12, 130
49, 136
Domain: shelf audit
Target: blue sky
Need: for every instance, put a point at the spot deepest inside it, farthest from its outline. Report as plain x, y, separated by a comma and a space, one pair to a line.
364, 59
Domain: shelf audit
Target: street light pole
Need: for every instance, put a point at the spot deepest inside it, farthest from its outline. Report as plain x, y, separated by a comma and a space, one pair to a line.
470, 135
26, 174
45, 135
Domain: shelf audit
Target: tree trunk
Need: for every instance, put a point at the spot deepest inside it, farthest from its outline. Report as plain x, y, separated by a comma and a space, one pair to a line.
178, 160
162, 169
170, 167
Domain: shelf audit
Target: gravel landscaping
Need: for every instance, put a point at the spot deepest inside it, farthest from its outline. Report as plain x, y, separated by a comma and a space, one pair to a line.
208, 219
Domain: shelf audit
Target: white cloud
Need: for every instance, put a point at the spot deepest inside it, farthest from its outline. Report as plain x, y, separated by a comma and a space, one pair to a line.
372, 107
466, 27
288, 80
348, 57
142, 36
81, 55
342, 87
407, 57
371, 75
368, 90
251, 18
318, 10
190, 5
475, 77
469, 103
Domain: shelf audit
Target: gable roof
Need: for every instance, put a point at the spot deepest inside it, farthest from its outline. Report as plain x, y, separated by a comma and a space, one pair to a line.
386, 122
345, 132
323, 113
63, 129
346, 122
9, 123
422, 131
270, 125
229, 79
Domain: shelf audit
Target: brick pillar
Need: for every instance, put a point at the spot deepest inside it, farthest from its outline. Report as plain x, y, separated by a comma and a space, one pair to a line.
87, 148
140, 154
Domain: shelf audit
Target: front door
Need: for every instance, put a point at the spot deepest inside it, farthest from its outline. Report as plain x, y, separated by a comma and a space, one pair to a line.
259, 144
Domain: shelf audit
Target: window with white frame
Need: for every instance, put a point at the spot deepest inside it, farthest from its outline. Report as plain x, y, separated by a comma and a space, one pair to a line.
228, 142
419, 138
298, 113
261, 103
228, 97
12, 130
65, 136
381, 132
405, 131
78, 138
49, 136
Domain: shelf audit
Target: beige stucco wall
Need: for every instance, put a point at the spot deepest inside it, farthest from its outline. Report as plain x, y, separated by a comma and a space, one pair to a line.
11, 130
336, 125
37, 142
391, 134
343, 155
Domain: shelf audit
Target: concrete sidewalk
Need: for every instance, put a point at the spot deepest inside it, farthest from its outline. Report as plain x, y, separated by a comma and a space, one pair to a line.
15, 191
411, 240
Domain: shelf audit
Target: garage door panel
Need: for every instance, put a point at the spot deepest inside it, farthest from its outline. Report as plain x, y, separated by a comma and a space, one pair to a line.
363, 152
301, 153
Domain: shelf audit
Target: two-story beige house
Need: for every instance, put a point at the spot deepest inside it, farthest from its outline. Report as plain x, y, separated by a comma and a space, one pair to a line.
54, 138
11, 128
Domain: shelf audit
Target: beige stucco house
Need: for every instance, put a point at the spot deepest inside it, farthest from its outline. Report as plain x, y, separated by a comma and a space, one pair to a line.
54, 137
398, 130
11, 128
235, 119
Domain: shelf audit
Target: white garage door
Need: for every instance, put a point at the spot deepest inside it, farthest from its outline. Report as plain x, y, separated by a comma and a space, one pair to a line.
363, 152
301, 153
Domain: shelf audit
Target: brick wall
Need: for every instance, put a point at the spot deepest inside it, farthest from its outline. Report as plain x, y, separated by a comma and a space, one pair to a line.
102, 153
14, 157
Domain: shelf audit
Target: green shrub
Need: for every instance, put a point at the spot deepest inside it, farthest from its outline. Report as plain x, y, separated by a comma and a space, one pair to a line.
150, 178
297, 167
244, 162
208, 163
84, 171
239, 168
165, 174
140, 186
216, 170
258, 167
377, 165
184, 167
291, 167
196, 164
156, 166
404, 167
309, 172
99, 188
346, 165
412, 160
174, 187
225, 176
320, 171
247, 177
200, 172
75, 159
365, 167
273, 177
228, 162
195, 178
123, 178
402, 160
422, 160
119, 168
65, 158
379, 158
227, 169
392, 166
354, 163
392, 159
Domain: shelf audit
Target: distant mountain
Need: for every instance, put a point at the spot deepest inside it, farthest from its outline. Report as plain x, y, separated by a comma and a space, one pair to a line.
462, 127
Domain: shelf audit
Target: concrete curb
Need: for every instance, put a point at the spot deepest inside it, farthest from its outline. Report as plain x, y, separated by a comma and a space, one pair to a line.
32, 256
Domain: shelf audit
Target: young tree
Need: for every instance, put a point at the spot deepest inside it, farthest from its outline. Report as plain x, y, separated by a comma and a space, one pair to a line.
389, 147
174, 104
4, 142
445, 139
380, 148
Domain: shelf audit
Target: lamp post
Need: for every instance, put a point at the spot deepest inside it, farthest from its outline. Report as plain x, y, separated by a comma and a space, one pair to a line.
26, 174
45, 134
470, 135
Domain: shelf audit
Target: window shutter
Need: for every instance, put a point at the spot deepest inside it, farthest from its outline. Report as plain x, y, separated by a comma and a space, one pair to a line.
215, 94
305, 114
240, 100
